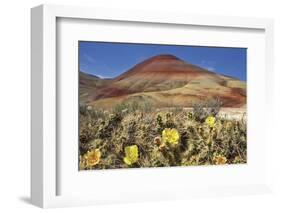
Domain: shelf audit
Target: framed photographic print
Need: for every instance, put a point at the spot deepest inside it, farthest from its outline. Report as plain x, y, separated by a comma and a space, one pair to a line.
161, 105
148, 105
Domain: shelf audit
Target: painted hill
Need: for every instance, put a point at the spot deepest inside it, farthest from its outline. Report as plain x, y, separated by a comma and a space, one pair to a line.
88, 85
165, 80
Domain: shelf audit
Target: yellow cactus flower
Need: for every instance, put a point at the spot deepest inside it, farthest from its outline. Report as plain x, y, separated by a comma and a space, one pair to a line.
210, 121
131, 154
219, 159
171, 136
92, 157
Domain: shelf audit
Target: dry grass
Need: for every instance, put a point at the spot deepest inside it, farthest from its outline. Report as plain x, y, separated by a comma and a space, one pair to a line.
107, 133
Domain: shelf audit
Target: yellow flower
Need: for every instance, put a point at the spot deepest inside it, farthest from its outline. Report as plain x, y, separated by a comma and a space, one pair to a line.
210, 121
131, 154
171, 136
219, 160
92, 158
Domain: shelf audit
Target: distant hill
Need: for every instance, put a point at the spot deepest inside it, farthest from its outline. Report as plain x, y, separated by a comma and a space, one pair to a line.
163, 80
88, 85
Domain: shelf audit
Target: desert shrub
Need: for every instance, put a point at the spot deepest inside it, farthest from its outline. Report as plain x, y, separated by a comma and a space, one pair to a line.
176, 109
162, 138
133, 106
97, 113
82, 109
147, 106
92, 112
120, 107
213, 106
204, 109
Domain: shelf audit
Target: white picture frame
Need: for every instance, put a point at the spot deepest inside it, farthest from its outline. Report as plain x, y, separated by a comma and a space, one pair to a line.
44, 150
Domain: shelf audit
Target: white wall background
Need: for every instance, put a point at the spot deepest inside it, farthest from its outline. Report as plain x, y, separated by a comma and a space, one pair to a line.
15, 104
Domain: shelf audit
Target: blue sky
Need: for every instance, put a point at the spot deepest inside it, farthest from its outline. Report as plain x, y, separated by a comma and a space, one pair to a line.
108, 60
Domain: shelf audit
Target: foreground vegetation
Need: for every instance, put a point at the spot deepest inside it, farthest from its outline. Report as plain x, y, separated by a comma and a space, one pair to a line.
137, 135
